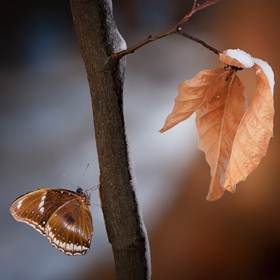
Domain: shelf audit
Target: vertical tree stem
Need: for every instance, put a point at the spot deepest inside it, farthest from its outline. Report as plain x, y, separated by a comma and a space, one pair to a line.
98, 38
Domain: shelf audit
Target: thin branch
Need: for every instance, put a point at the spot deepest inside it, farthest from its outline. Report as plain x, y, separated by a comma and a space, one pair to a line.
199, 41
177, 29
146, 41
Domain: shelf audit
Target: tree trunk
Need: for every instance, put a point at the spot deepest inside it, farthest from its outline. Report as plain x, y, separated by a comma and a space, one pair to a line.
98, 38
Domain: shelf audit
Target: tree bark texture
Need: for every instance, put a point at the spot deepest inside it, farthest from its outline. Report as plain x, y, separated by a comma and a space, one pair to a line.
98, 38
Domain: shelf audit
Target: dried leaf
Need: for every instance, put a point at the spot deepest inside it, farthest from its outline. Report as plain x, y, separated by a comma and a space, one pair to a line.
192, 94
217, 122
233, 135
253, 135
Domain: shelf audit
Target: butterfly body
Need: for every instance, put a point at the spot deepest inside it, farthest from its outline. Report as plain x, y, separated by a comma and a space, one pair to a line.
62, 215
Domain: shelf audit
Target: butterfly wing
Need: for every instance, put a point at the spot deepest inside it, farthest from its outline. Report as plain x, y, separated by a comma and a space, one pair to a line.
70, 228
36, 207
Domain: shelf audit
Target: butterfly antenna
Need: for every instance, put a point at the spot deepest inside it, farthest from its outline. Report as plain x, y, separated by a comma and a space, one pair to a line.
93, 188
85, 170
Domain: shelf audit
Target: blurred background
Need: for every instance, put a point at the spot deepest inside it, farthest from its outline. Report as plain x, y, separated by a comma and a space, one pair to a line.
47, 140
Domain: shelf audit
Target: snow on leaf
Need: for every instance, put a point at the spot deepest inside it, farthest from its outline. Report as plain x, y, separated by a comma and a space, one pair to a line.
237, 58
267, 71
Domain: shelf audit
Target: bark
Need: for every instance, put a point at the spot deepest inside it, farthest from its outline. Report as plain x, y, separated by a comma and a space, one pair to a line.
98, 38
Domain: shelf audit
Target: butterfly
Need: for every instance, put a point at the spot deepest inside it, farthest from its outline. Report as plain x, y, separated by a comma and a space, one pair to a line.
62, 215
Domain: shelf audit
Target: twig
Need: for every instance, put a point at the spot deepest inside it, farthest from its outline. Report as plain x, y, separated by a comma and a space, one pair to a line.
199, 41
177, 29
195, 8
149, 39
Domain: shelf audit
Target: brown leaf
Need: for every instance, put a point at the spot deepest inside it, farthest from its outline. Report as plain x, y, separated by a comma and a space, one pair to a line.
253, 135
217, 122
192, 94
233, 135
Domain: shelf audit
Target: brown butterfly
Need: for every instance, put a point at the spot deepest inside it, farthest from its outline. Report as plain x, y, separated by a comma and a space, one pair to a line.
63, 216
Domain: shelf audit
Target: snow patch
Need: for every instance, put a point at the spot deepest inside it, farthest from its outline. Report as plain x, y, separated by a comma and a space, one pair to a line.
244, 58
267, 71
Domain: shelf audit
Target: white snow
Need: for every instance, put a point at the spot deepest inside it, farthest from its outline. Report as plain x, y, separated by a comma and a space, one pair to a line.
244, 58
248, 61
267, 71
